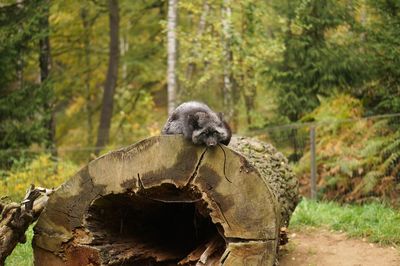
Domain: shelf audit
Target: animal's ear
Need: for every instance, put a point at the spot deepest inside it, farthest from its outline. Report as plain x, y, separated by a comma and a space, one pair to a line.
221, 116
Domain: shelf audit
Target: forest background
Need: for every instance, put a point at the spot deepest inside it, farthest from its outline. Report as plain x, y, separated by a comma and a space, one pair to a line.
79, 78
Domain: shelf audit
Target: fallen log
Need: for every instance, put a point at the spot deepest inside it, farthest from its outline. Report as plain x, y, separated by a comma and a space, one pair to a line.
16, 217
165, 201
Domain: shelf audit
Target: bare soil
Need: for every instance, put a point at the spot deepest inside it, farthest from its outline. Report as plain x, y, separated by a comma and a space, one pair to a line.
322, 247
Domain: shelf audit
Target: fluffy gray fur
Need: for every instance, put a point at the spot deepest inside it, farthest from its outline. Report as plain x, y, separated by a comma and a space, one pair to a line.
199, 124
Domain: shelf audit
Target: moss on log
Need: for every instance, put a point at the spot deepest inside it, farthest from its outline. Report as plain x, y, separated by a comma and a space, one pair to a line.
274, 168
165, 201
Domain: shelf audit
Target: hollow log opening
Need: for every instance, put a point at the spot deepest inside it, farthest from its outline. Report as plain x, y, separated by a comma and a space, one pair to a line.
163, 225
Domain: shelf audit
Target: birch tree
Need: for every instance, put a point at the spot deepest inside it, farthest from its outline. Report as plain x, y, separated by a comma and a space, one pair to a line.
172, 54
229, 88
196, 45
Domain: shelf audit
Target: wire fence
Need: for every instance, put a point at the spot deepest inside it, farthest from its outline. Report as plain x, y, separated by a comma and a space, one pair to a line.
337, 141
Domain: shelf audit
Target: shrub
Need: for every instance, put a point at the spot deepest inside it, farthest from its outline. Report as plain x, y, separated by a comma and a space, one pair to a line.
41, 171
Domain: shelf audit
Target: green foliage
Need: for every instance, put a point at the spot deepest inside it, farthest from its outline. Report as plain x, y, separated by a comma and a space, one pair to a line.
81, 53
41, 171
335, 109
374, 221
381, 93
315, 60
23, 112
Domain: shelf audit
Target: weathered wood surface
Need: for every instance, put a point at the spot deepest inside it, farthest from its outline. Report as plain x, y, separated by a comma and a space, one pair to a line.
15, 219
164, 201
274, 168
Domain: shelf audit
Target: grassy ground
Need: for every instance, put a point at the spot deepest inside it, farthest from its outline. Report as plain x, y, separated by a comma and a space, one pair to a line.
373, 221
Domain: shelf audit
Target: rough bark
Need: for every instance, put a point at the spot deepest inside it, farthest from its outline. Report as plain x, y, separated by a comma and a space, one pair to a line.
15, 219
111, 79
274, 168
172, 54
165, 201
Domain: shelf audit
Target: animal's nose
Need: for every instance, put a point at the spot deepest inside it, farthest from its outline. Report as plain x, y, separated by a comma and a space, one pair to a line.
211, 144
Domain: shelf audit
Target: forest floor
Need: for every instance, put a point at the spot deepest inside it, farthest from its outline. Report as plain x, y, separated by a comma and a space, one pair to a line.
317, 246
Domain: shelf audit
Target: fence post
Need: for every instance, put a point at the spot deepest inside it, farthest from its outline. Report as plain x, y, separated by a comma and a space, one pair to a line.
313, 164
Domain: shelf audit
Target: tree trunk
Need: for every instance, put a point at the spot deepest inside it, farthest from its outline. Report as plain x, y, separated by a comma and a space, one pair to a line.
124, 50
86, 44
111, 79
196, 44
172, 54
44, 43
165, 201
20, 60
230, 92
249, 98
45, 65
248, 72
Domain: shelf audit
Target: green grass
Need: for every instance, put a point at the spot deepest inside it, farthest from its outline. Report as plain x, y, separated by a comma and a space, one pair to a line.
22, 254
374, 221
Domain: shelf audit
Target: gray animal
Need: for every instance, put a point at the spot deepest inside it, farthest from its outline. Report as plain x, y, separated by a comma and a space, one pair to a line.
199, 124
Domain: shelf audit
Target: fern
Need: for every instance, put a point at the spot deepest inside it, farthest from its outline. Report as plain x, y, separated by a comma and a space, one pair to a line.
380, 126
349, 166
392, 147
370, 180
390, 163
373, 147
356, 160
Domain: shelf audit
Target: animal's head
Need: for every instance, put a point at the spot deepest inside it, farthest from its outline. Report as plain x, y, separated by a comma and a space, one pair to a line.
209, 129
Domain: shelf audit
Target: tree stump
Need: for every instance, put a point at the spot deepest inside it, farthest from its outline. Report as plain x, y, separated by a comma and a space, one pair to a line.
165, 201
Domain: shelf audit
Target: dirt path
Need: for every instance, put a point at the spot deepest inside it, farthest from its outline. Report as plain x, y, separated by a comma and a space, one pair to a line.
315, 247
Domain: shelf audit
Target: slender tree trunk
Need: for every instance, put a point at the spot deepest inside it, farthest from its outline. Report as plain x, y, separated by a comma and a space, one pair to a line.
20, 62
111, 79
20, 71
249, 98
124, 49
196, 45
363, 21
45, 66
248, 73
86, 43
227, 89
172, 54
230, 91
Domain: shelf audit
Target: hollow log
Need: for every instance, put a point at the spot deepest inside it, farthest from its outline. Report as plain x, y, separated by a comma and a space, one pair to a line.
165, 201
